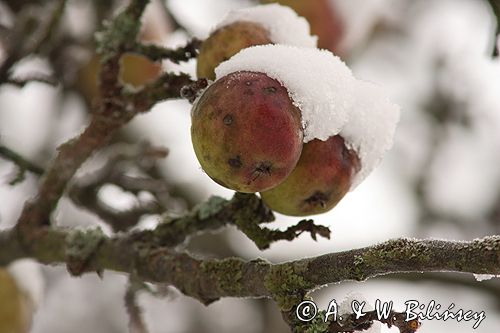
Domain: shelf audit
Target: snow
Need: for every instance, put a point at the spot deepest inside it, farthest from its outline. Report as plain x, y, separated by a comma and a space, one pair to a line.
345, 307
485, 277
371, 127
320, 84
283, 24
331, 100
29, 278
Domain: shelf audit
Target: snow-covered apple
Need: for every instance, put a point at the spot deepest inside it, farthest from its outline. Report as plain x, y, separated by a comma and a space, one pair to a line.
246, 132
243, 28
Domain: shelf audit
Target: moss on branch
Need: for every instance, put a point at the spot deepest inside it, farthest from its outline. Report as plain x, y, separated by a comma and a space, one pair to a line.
210, 279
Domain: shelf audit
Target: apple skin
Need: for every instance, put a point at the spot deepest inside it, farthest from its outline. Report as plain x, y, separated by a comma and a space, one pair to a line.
320, 180
246, 132
135, 70
323, 18
225, 42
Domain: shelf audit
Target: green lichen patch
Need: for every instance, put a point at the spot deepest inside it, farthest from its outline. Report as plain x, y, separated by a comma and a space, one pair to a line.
81, 245
120, 32
397, 250
317, 325
227, 273
287, 285
211, 207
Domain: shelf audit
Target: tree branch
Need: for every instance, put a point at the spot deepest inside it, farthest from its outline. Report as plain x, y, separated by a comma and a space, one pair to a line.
208, 280
21, 162
114, 110
83, 191
136, 322
180, 54
30, 35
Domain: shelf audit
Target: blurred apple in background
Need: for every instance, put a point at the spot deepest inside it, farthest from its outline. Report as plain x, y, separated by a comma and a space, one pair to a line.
14, 305
21, 290
136, 70
324, 19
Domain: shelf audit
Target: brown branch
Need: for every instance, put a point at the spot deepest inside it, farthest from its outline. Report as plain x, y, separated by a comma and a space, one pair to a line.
84, 190
136, 322
21, 82
352, 324
245, 211
113, 112
30, 34
208, 280
193, 90
495, 7
349, 323
156, 53
21, 162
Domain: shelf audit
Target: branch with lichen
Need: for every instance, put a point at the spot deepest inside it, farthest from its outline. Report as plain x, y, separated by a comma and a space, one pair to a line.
114, 110
207, 280
154, 255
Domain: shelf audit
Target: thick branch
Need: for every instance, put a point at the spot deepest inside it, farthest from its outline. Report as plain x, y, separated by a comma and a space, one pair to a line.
208, 280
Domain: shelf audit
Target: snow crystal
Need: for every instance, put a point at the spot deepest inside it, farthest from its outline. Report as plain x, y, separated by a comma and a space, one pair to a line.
331, 100
371, 126
283, 24
318, 82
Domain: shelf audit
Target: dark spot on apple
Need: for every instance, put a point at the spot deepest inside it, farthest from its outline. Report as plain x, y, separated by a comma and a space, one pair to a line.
264, 167
235, 162
318, 199
270, 90
228, 120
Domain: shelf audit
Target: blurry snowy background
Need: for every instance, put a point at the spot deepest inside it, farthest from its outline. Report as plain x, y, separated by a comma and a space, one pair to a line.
441, 179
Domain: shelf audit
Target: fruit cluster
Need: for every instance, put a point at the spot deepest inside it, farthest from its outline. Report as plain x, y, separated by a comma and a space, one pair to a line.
282, 117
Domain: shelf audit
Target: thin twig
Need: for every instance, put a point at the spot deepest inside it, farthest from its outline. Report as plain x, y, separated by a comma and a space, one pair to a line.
136, 322
30, 35
156, 53
20, 161
84, 190
21, 82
